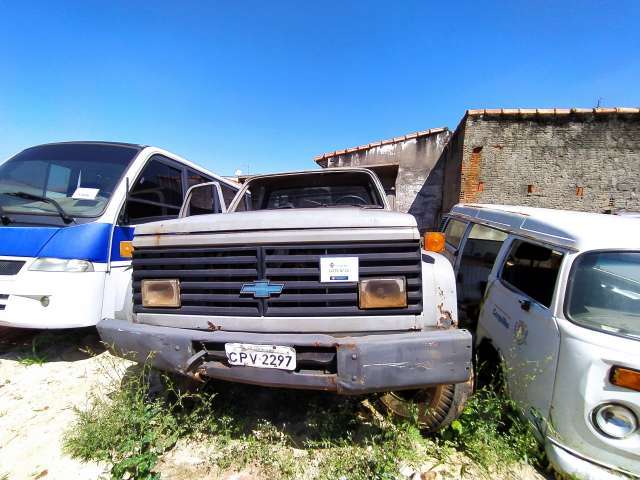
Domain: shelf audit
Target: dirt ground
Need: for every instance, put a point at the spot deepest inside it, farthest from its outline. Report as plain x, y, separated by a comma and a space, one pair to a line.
37, 404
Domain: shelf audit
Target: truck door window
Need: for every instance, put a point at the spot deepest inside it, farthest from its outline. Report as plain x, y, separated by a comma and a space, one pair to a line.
228, 193
204, 200
533, 270
454, 232
157, 194
478, 256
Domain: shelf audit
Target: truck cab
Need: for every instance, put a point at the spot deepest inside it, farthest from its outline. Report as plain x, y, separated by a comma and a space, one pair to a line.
308, 281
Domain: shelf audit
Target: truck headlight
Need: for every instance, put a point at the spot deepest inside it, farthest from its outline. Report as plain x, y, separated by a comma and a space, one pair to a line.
161, 293
60, 265
615, 421
390, 292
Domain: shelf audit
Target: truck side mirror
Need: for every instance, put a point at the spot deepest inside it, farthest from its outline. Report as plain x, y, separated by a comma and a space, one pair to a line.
203, 199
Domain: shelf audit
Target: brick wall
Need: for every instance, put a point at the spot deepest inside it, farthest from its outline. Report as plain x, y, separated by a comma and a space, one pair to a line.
577, 161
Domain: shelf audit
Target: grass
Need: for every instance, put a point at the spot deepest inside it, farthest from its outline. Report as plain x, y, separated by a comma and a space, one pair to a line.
287, 434
34, 357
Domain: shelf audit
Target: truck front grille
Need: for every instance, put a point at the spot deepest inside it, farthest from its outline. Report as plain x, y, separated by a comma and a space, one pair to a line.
211, 278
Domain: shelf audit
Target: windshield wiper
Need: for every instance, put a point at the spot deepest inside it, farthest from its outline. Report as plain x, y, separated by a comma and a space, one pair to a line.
30, 196
4, 219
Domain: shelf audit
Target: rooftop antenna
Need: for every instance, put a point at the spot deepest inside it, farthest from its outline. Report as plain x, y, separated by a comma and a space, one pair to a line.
599, 104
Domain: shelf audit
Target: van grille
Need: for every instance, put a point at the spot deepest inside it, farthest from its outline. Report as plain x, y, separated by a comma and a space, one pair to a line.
211, 278
3, 301
10, 267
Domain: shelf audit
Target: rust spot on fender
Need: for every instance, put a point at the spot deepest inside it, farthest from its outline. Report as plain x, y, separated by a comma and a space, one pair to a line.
212, 327
446, 319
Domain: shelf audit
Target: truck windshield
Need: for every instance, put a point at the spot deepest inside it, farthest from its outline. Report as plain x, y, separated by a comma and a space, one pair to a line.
605, 292
79, 177
312, 190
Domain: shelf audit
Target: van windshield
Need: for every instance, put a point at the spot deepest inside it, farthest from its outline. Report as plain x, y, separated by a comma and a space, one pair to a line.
79, 177
605, 292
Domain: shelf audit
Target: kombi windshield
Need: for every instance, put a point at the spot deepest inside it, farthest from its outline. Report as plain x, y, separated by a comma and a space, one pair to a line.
605, 292
79, 178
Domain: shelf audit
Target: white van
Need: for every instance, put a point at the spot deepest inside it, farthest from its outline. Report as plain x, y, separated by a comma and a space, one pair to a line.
556, 295
67, 215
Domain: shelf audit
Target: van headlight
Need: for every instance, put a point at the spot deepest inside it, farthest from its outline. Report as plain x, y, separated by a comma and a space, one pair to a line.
615, 421
60, 265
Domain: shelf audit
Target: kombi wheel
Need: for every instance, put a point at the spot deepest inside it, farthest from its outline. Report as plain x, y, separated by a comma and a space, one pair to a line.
434, 407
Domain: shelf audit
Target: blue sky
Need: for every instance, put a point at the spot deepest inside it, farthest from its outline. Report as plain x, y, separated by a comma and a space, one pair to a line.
270, 84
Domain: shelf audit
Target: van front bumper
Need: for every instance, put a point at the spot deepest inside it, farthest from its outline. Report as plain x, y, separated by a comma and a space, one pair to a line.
363, 364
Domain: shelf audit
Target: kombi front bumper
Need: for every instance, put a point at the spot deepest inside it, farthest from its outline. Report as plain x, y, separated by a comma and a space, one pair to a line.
362, 364
570, 462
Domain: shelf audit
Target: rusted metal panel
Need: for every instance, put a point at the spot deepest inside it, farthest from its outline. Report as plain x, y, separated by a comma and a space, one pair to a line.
370, 363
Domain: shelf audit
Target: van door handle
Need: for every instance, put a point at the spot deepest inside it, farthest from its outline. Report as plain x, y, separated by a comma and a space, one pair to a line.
525, 305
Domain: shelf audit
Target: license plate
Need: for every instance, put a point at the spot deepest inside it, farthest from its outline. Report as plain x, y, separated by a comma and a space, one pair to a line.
261, 356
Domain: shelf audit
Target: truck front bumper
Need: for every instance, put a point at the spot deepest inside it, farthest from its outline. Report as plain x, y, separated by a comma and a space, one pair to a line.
362, 364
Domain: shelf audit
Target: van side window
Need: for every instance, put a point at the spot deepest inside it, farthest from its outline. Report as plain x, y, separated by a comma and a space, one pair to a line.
228, 193
194, 178
454, 232
533, 270
156, 194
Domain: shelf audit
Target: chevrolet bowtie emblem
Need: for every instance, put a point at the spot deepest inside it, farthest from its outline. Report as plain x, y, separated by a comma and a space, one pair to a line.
262, 288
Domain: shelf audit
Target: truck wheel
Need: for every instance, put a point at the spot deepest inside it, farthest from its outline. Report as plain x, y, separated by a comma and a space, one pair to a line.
434, 407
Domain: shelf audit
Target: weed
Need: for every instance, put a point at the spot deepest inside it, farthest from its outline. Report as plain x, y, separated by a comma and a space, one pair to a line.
281, 433
34, 357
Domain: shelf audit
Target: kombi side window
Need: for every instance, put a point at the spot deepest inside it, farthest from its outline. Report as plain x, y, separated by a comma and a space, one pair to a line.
454, 231
532, 269
156, 194
478, 256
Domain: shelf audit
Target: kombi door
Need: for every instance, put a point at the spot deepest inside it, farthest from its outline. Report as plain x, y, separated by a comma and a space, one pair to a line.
517, 316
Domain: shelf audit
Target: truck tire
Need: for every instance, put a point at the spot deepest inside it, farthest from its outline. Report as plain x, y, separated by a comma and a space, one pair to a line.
435, 407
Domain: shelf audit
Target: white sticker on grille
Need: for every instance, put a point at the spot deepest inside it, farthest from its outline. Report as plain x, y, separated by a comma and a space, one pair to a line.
339, 269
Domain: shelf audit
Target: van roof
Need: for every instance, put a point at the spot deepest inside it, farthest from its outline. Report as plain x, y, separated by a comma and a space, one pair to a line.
564, 228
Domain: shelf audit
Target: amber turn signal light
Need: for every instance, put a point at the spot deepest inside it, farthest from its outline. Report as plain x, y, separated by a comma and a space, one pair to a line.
434, 242
126, 249
382, 293
626, 378
161, 293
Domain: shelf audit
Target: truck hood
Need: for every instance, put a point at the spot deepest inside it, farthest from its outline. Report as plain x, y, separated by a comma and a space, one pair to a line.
283, 219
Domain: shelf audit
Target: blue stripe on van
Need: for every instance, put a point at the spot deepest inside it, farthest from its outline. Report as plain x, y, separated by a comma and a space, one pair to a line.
24, 241
86, 242
120, 234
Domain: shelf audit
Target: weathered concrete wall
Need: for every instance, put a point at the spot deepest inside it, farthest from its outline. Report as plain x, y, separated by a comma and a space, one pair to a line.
577, 161
407, 167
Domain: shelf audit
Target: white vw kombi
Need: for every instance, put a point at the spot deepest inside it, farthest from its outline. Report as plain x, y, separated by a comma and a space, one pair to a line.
556, 295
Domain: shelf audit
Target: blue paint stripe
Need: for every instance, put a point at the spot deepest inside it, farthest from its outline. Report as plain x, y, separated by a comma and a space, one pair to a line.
86, 242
